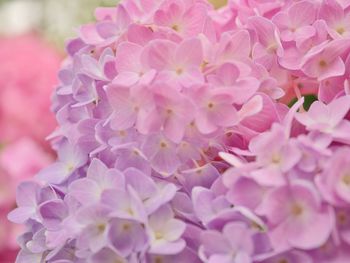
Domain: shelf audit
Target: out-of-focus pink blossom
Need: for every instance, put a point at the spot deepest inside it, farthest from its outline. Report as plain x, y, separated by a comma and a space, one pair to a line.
28, 72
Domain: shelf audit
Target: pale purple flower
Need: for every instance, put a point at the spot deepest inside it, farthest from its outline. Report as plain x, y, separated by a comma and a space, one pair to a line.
298, 205
29, 197
333, 182
165, 232
328, 119
234, 245
275, 154
127, 237
70, 158
99, 178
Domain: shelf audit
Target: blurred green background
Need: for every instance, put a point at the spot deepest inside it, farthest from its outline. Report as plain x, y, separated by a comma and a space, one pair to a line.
56, 20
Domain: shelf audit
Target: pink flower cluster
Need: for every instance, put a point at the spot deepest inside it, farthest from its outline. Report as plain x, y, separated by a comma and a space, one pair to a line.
28, 71
176, 144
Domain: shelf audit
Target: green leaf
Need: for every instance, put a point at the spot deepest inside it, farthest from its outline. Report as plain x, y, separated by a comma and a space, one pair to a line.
309, 99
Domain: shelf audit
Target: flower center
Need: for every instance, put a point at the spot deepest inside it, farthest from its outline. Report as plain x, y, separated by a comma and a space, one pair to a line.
276, 158
203, 65
346, 179
179, 71
101, 227
136, 152
272, 48
340, 30
136, 108
175, 27
218, 3
322, 63
163, 145
158, 235
122, 133
297, 210
129, 211
126, 227
342, 218
169, 111
210, 105
70, 167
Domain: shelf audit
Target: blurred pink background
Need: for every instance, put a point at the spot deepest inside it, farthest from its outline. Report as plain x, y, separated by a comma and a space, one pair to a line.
32, 35
28, 70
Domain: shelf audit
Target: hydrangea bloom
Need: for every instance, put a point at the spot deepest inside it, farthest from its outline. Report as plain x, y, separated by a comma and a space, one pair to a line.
175, 145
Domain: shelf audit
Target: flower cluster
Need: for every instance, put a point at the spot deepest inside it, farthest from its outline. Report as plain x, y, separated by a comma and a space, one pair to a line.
176, 143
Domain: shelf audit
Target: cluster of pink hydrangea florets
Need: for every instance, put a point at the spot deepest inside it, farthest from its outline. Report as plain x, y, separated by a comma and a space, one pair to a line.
176, 142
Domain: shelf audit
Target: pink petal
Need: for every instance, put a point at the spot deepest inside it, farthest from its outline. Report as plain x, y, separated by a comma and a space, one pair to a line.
85, 191
302, 13
204, 124
223, 115
331, 12
89, 34
234, 47
336, 68
252, 107
265, 30
21, 214
190, 53
122, 17
339, 108
158, 54
128, 57
174, 128
126, 79
311, 234
165, 162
